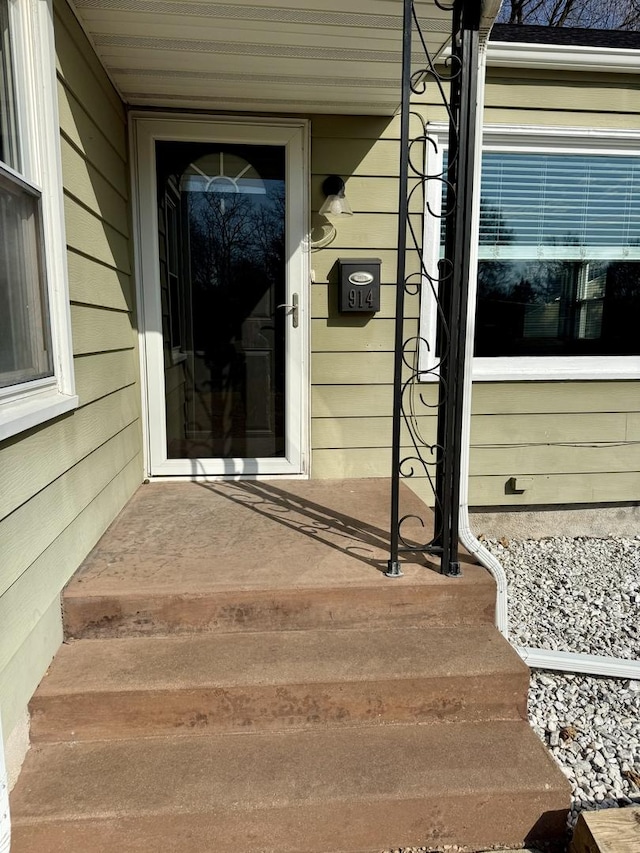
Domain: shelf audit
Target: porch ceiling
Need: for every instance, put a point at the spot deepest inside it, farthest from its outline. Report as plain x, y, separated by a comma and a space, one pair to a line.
323, 56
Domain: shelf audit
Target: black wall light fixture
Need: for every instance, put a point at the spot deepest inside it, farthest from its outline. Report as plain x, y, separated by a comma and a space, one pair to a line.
335, 203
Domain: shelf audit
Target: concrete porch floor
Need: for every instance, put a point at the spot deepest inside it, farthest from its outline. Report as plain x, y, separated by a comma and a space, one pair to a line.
255, 534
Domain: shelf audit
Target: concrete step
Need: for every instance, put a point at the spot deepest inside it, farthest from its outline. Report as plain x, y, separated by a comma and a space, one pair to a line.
322, 790
158, 685
422, 597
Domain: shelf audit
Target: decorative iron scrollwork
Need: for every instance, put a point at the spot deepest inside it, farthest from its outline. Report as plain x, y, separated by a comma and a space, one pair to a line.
454, 81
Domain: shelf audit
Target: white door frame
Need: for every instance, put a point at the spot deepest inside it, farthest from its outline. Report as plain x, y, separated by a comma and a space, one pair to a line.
145, 129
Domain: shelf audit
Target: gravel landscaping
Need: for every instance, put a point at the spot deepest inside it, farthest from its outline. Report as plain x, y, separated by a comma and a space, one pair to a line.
577, 595
592, 727
581, 595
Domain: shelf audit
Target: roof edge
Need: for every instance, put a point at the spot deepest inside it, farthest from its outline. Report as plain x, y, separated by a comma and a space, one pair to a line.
490, 9
566, 36
562, 57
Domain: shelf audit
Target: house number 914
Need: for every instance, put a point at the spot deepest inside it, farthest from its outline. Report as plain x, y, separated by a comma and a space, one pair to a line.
360, 297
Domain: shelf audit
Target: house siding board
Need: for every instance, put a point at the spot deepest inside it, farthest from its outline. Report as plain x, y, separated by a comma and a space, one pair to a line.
91, 236
91, 189
33, 593
341, 334
351, 401
334, 368
542, 429
364, 432
104, 149
97, 330
373, 158
102, 374
31, 462
497, 114
574, 429
504, 398
565, 92
633, 426
339, 463
19, 678
598, 487
91, 283
380, 195
57, 506
490, 398
585, 459
61, 484
571, 488
367, 229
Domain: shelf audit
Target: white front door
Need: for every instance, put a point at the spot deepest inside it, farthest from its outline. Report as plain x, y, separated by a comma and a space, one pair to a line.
221, 209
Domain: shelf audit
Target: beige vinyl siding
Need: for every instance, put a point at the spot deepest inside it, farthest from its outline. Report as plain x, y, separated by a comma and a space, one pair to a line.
19, 677
352, 355
561, 97
573, 439
62, 483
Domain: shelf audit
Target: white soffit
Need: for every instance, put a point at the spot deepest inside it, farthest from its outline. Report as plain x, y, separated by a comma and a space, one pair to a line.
328, 56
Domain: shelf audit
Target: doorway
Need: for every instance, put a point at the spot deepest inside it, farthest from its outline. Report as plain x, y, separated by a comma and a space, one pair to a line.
221, 208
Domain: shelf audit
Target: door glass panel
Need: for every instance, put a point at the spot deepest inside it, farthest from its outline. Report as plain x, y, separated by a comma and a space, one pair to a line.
221, 219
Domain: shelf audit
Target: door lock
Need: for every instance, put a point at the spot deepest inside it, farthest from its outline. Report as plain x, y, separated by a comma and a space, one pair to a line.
292, 309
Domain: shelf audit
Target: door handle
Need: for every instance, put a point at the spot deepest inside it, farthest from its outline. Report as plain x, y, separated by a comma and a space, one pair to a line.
292, 309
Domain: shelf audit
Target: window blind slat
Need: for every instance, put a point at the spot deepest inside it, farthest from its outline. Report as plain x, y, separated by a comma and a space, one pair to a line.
550, 200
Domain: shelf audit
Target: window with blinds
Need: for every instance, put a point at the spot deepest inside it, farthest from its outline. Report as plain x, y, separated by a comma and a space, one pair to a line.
559, 255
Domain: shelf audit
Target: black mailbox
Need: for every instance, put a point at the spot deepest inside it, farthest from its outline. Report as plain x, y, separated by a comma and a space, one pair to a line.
359, 285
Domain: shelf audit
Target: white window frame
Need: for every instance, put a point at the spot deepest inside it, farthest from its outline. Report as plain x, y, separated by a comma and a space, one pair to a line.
522, 139
30, 403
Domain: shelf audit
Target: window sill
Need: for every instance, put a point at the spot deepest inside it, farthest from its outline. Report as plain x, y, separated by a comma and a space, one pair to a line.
558, 369
18, 416
178, 356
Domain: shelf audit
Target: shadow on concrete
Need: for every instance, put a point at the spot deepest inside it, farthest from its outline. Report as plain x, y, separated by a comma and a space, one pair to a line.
326, 523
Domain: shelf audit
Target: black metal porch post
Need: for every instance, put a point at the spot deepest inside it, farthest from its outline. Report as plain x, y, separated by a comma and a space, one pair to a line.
458, 237
393, 569
451, 285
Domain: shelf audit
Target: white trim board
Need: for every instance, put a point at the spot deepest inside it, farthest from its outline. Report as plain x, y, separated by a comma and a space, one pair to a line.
574, 662
563, 57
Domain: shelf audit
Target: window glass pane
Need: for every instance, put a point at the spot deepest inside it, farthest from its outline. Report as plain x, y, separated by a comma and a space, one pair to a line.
559, 270
530, 307
8, 132
223, 276
25, 347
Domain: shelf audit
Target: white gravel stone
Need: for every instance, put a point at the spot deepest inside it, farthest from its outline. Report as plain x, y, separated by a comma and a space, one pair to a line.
581, 595
575, 595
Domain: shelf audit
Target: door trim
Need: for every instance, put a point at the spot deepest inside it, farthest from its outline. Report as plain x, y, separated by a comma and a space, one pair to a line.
145, 129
